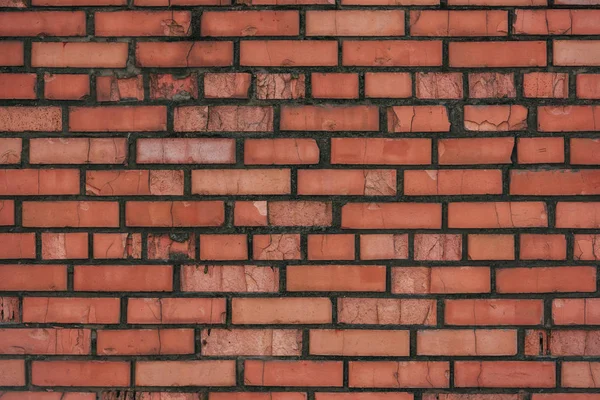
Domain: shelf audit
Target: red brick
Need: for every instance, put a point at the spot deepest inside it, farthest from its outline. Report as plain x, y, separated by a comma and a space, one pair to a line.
17, 245
579, 374
473, 151
77, 150
250, 213
353, 342
294, 310
9, 310
546, 279
117, 245
392, 53
12, 54
463, 342
251, 342
334, 85
223, 119
564, 396
229, 278
10, 150
329, 118
542, 247
62, 246
564, 343
178, 246
185, 151
355, 23
49, 395
66, 86
519, 214
493, 312
439, 85
491, 85
174, 213
576, 52
299, 213
71, 310
45, 341
79, 54
546, 85
491, 247
331, 247
118, 119
384, 247
380, 151
173, 87
288, 53
223, 247
374, 311
257, 395
112, 88
17, 86
555, 182
185, 373
142, 23
588, 86
369, 182
134, 182
576, 311
78, 214
335, 278
399, 374
78, 3
505, 374
165, 3
184, 54
424, 280
36, 119
495, 118
438, 247
45, 23
418, 119
568, 118
281, 151
28, 182
124, 278
458, 23
227, 86
12, 372
176, 310
498, 54
452, 182
241, 181
543, 150
293, 373
586, 247
556, 22
389, 2
276, 247
250, 23
388, 84
577, 215
7, 212
280, 86
145, 341
391, 216
80, 373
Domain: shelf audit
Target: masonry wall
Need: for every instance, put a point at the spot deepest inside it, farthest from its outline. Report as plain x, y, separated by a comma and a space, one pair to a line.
299, 199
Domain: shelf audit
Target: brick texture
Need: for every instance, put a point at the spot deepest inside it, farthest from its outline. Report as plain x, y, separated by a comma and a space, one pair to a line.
299, 199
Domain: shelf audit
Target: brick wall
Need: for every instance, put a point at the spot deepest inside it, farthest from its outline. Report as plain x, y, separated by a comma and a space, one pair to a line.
299, 199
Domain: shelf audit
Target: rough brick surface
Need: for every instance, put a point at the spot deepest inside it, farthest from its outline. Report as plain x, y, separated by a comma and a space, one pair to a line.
299, 199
